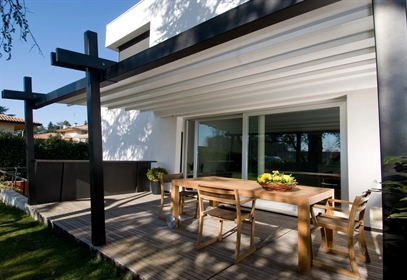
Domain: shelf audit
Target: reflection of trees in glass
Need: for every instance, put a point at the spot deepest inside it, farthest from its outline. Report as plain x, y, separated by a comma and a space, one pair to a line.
302, 151
332, 142
222, 147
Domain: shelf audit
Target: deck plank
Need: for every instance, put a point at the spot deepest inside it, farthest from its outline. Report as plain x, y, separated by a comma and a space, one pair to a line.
143, 244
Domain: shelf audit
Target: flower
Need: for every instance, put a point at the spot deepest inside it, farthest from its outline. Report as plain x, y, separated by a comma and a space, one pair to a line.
276, 178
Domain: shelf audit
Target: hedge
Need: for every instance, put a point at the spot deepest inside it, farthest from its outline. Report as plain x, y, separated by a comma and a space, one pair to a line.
13, 153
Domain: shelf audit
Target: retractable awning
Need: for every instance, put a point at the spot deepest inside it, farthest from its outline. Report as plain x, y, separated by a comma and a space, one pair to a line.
322, 54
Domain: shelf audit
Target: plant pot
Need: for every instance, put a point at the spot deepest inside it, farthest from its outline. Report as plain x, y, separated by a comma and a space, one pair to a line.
155, 187
277, 187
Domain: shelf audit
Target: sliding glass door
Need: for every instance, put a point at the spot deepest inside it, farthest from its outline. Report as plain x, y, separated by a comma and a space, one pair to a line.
219, 149
305, 144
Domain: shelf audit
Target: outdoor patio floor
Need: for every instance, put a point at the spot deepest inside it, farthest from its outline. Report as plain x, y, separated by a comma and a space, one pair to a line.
140, 242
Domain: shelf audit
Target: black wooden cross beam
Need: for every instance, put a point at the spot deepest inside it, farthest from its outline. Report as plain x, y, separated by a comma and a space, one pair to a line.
92, 65
78, 61
21, 95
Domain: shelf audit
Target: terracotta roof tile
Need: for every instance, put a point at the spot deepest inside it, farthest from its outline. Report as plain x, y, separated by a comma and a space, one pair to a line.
44, 135
74, 128
10, 119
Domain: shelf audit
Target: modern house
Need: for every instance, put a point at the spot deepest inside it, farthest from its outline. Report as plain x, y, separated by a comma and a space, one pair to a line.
301, 86
12, 124
237, 88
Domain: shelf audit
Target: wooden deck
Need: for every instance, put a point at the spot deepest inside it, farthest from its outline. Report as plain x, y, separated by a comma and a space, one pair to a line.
145, 246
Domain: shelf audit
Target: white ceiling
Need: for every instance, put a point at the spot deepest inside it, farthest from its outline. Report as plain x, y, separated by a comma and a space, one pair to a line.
319, 56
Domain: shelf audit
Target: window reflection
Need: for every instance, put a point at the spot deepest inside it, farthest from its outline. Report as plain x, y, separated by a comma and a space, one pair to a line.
306, 144
220, 148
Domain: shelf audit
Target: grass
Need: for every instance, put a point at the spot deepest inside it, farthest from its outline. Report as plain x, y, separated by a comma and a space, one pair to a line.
30, 250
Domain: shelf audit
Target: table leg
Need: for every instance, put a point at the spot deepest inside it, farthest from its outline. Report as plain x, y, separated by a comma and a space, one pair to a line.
329, 234
304, 238
175, 211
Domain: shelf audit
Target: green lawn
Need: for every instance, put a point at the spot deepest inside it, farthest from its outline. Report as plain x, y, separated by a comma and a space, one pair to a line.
29, 250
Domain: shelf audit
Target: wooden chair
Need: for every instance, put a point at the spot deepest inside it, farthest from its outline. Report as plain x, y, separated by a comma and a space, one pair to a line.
347, 223
231, 211
186, 197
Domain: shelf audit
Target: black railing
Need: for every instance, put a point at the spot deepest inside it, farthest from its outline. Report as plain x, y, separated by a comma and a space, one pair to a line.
12, 173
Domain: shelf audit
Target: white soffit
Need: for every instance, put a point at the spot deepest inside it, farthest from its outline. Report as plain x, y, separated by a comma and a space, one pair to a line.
317, 56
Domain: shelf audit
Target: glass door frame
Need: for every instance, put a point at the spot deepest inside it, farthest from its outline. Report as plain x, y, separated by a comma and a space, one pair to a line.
196, 136
339, 103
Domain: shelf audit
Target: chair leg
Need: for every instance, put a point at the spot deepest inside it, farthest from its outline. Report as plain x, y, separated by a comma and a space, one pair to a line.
161, 207
362, 242
240, 256
253, 221
199, 243
238, 239
181, 204
324, 240
220, 229
352, 257
196, 208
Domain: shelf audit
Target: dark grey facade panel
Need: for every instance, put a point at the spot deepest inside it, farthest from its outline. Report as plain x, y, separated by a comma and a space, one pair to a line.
390, 23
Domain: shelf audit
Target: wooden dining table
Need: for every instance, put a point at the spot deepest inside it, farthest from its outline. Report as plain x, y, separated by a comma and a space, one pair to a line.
302, 196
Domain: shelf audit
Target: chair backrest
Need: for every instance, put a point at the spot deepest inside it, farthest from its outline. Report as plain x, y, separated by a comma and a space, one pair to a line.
167, 178
217, 194
359, 206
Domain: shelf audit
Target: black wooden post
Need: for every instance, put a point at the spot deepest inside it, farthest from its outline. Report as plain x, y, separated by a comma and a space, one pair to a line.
391, 56
29, 143
92, 65
95, 144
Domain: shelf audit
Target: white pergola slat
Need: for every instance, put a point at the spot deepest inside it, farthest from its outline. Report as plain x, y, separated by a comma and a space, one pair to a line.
323, 54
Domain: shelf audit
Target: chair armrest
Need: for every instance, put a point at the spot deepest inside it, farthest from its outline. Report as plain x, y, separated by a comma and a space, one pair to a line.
340, 201
320, 206
244, 201
329, 208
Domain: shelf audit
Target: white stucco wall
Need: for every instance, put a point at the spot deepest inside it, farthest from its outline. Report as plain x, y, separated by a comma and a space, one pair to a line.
165, 18
131, 135
364, 165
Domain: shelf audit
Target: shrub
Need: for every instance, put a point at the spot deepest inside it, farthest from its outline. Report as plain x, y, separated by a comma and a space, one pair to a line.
13, 151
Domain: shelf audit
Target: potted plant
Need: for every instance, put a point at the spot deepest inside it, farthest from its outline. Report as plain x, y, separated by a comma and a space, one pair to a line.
276, 181
154, 175
397, 187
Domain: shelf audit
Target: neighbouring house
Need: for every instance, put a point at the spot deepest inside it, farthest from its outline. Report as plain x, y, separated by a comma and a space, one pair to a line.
13, 124
45, 135
74, 133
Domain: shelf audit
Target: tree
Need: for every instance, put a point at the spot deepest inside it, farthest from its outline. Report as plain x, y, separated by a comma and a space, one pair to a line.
62, 124
13, 18
40, 129
52, 127
59, 125
3, 110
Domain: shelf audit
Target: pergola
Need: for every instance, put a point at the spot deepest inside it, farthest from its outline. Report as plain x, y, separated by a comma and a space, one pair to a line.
389, 57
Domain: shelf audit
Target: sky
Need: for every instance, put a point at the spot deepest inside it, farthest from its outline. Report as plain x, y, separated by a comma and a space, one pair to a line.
56, 24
